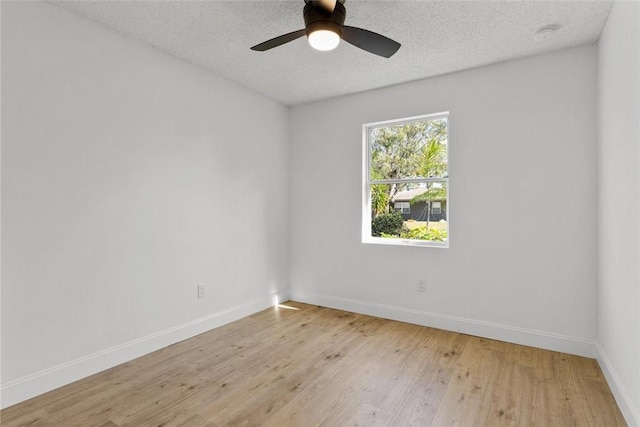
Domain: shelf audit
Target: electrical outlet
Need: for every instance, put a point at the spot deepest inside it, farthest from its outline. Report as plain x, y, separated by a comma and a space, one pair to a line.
422, 285
201, 290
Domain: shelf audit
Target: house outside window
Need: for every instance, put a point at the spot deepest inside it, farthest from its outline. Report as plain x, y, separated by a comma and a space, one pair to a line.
406, 181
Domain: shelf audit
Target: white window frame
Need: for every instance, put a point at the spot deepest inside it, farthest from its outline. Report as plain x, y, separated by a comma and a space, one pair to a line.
366, 187
405, 207
439, 208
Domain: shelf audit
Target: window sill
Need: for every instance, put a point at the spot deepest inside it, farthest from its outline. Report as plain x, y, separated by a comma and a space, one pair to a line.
404, 242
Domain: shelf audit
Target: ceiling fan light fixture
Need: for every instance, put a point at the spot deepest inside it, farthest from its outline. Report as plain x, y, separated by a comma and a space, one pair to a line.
324, 28
323, 39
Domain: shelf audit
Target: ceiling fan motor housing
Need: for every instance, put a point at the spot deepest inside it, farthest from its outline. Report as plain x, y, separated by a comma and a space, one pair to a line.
318, 18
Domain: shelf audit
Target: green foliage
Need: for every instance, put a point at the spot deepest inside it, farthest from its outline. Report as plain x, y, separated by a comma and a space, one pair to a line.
380, 198
424, 233
433, 162
432, 193
389, 236
389, 225
410, 150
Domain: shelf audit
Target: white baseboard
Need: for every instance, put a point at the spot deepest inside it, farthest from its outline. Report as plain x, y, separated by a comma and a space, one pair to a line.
630, 411
41, 382
528, 337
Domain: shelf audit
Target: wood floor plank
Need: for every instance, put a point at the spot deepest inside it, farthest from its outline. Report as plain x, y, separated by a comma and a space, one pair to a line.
366, 415
311, 366
32, 417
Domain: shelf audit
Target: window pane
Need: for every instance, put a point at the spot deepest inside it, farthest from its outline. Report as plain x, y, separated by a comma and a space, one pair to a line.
418, 211
416, 149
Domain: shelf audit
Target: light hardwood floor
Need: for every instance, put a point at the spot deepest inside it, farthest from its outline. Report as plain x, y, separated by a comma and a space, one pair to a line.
309, 366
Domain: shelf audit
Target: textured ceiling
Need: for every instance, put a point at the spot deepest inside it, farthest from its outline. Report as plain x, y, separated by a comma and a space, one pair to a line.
437, 37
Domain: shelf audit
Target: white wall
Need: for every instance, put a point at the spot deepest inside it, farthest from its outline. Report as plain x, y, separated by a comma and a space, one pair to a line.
128, 177
523, 219
619, 187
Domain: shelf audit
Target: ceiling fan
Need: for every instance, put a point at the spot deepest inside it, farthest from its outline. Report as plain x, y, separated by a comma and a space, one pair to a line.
324, 27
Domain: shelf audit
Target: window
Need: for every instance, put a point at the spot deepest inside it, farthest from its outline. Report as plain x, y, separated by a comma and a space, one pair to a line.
436, 208
402, 207
406, 181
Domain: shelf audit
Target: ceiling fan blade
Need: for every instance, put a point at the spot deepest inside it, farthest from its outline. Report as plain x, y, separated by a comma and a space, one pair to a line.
280, 40
370, 41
